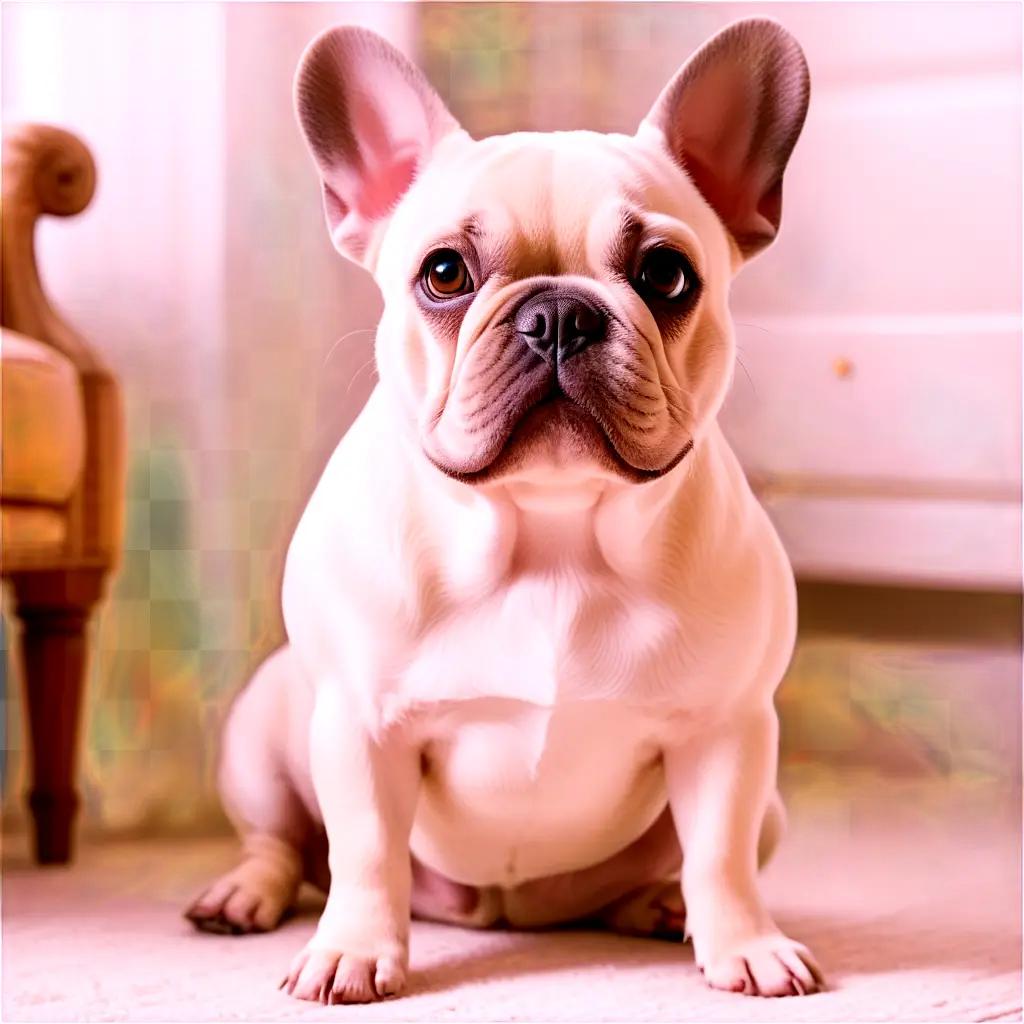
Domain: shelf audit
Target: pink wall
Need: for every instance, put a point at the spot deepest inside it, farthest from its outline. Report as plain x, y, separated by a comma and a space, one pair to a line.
879, 400
877, 405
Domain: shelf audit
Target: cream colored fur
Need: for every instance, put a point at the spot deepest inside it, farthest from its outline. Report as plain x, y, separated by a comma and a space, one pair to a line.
513, 679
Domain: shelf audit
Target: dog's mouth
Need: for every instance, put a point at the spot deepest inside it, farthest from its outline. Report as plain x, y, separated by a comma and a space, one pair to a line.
563, 429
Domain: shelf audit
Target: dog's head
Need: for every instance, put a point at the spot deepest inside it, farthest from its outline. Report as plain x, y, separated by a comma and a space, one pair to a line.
555, 302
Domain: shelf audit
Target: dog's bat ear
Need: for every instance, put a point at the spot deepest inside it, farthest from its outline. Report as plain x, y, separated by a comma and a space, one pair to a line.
731, 117
371, 120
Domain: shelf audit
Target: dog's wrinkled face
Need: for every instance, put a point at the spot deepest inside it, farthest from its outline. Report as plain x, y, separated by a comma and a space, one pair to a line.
558, 307
555, 303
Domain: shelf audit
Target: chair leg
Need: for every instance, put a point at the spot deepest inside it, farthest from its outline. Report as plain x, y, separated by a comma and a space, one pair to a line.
54, 609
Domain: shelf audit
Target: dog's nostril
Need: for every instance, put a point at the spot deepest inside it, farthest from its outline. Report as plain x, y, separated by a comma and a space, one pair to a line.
587, 321
537, 329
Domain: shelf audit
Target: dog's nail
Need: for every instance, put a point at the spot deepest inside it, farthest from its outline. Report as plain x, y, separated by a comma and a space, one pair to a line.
750, 978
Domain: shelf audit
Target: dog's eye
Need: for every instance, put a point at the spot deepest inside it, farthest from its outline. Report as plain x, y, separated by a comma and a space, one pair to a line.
445, 275
666, 274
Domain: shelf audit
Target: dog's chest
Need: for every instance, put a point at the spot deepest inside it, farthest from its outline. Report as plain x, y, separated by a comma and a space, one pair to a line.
541, 720
546, 639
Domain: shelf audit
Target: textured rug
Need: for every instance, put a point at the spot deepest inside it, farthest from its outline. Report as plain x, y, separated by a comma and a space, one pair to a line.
913, 909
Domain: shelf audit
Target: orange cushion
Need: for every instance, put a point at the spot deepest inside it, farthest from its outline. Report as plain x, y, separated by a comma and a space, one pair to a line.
42, 443
27, 532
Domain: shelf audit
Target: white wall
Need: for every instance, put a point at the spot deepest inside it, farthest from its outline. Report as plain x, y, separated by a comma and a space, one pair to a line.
878, 407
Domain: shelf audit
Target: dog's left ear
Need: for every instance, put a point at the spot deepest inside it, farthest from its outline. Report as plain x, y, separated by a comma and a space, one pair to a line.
731, 117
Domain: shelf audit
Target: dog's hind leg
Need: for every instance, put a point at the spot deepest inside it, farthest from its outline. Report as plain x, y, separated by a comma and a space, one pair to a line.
634, 892
653, 911
437, 898
261, 800
657, 909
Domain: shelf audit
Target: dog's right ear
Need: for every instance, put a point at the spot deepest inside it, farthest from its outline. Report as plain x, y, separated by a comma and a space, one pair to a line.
371, 120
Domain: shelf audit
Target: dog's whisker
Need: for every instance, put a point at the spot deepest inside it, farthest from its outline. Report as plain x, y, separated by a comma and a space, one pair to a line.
757, 327
355, 376
343, 338
750, 380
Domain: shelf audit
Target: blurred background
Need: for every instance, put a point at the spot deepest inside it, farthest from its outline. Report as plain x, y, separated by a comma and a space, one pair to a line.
876, 407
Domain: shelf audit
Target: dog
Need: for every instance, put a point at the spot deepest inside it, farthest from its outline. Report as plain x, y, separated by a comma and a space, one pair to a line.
535, 615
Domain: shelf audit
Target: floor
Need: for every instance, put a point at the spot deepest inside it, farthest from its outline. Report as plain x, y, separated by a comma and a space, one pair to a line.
911, 900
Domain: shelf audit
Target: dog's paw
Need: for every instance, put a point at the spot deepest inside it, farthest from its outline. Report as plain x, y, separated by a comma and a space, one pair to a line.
768, 965
330, 976
655, 911
244, 900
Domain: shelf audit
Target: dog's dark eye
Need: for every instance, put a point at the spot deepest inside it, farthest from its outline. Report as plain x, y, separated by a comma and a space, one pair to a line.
666, 274
445, 275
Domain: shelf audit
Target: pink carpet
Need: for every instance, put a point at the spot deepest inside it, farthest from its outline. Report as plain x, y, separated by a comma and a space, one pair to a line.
914, 912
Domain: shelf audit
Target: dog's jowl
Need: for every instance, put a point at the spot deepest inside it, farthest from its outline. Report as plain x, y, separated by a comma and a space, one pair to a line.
535, 616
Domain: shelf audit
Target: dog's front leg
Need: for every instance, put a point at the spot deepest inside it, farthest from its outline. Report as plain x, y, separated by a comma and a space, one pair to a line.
366, 787
719, 788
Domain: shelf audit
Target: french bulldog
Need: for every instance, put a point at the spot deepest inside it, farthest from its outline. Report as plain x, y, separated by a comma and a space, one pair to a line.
535, 615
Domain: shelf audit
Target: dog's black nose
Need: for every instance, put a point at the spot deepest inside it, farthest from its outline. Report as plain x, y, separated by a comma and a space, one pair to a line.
558, 324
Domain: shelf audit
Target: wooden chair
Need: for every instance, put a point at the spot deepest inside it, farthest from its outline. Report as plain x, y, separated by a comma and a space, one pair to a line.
62, 479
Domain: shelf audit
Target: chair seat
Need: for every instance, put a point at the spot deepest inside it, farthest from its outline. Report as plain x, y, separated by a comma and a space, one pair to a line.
31, 534
42, 445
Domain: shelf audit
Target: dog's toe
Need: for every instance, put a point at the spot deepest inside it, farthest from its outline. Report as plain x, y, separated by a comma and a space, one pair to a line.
332, 977
312, 975
353, 981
